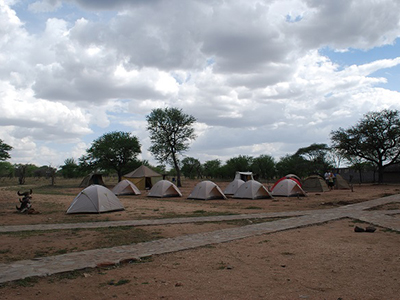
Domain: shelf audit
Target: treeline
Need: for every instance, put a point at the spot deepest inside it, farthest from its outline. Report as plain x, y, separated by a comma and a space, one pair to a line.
314, 159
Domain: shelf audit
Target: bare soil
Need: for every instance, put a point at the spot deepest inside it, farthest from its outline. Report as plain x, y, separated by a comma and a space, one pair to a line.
328, 261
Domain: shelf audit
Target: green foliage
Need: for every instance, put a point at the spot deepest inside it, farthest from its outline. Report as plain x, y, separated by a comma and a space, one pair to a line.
264, 166
292, 164
191, 167
375, 138
212, 168
241, 163
4, 149
170, 133
113, 151
317, 156
6, 169
70, 169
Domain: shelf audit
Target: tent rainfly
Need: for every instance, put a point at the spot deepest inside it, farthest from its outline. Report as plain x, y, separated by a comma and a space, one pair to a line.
206, 190
315, 183
287, 188
244, 176
95, 199
143, 177
233, 186
125, 187
164, 188
90, 179
252, 189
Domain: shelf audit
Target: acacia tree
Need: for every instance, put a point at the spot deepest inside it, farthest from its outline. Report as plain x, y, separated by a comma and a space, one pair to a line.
170, 133
375, 139
317, 156
4, 149
113, 151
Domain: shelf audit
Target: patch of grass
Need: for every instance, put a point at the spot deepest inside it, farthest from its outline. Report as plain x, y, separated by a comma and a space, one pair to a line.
253, 207
27, 282
125, 235
264, 241
196, 213
287, 253
119, 282
356, 221
390, 230
5, 251
222, 265
61, 251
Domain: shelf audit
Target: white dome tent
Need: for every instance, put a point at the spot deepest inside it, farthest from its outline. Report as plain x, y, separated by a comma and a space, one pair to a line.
95, 199
206, 190
252, 189
125, 187
164, 188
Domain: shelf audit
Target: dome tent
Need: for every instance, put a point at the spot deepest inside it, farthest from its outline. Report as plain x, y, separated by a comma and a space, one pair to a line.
125, 187
252, 189
93, 178
95, 199
233, 186
164, 188
287, 188
206, 190
315, 183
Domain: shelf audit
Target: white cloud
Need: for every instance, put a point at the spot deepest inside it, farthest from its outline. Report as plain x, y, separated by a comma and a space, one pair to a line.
249, 71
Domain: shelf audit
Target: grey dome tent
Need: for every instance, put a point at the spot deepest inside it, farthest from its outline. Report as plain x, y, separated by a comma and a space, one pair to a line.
315, 183
164, 188
252, 189
94, 178
287, 188
206, 190
233, 186
125, 187
95, 199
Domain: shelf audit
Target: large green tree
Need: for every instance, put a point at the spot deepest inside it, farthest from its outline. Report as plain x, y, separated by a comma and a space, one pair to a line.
212, 168
317, 156
70, 169
171, 130
4, 149
375, 138
113, 151
264, 166
191, 167
240, 163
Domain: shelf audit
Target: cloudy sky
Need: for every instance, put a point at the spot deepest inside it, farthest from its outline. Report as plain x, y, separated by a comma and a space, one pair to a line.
261, 77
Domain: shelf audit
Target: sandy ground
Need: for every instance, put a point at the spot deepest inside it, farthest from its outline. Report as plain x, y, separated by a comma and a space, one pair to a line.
328, 261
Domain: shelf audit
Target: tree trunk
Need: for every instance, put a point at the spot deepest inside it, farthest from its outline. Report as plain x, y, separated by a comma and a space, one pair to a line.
381, 170
178, 171
119, 173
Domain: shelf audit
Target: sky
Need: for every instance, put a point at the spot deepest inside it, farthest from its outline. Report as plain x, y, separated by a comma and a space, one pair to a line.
261, 77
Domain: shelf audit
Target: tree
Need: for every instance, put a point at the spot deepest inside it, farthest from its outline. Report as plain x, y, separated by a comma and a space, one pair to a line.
375, 138
240, 163
318, 157
264, 166
292, 164
4, 149
170, 133
70, 169
212, 168
191, 167
113, 151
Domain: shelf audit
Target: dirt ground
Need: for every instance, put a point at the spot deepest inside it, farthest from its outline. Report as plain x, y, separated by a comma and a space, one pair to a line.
328, 261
